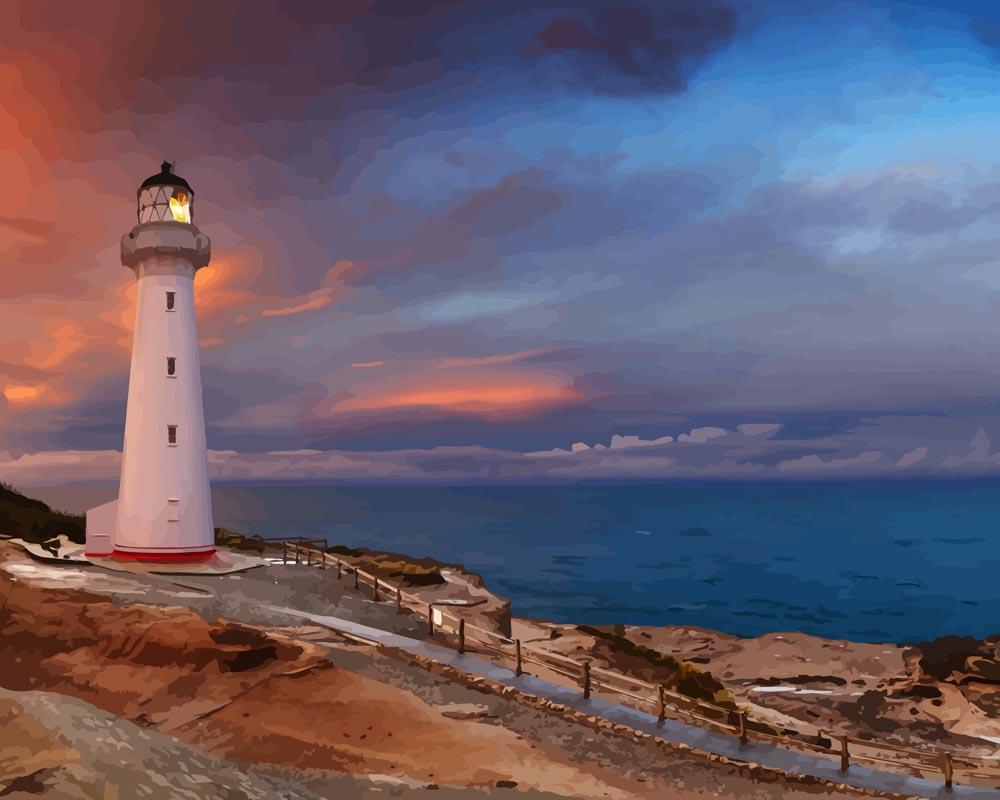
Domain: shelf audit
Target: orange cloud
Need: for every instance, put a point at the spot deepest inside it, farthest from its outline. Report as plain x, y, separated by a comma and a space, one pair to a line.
22, 394
485, 395
35, 394
66, 338
222, 285
314, 300
332, 285
122, 314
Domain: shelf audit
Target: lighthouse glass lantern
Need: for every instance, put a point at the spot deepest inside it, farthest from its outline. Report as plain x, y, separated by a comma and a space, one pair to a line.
165, 197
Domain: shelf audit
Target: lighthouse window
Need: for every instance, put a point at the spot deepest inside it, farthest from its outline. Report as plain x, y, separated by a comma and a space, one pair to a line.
170, 300
171, 366
171, 434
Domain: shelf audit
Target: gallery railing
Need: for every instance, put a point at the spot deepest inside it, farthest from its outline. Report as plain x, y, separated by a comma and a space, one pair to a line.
446, 621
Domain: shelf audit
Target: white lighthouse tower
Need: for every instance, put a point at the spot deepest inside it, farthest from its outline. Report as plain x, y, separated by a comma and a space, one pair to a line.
164, 509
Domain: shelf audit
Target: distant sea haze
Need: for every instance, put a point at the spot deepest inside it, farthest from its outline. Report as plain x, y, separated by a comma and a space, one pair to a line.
876, 561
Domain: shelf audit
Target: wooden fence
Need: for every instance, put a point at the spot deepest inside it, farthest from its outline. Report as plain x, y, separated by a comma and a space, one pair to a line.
444, 618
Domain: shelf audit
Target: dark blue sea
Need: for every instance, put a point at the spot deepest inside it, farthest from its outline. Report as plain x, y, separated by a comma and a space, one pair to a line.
875, 561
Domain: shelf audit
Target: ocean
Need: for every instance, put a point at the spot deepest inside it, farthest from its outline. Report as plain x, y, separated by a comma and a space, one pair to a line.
874, 561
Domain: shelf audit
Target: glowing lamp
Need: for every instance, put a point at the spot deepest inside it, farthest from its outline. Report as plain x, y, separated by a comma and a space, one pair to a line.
165, 197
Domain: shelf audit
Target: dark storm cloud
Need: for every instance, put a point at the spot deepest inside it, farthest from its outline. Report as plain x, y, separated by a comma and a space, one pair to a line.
97, 421
631, 49
268, 61
226, 390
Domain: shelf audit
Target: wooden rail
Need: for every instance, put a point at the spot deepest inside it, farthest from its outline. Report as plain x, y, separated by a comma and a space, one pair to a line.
655, 698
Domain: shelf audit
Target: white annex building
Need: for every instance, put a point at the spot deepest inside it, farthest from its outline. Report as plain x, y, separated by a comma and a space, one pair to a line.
164, 509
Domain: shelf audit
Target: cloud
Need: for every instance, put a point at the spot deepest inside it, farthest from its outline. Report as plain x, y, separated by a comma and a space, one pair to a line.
23, 394
313, 301
620, 442
730, 455
468, 393
979, 452
631, 49
914, 456
758, 428
700, 435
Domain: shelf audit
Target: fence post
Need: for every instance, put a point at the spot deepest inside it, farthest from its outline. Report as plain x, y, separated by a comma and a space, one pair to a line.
323, 564
430, 619
586, 680
284, 552
339, 572
948, 771
298, 551
845, 756
519, 670
663, 703
355, 577
743, 727
461, 636
399, 600
375, 589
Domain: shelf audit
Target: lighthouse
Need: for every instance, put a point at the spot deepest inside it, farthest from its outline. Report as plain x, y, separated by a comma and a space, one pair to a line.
164, 509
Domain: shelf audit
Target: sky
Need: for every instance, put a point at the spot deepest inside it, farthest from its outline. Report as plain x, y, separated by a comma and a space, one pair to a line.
516, 241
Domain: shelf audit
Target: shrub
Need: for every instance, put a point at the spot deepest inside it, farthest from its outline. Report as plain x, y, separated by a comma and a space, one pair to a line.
33, 520
411, 572
661, 668
227, 538
343, 550
946, 654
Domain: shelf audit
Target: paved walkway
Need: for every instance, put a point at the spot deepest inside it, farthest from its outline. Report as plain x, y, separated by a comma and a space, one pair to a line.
711, 741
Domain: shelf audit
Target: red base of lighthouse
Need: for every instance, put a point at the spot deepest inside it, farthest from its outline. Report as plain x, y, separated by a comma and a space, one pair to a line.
165, 556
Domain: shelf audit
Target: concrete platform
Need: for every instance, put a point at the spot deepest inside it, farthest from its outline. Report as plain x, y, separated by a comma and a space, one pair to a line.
222, 562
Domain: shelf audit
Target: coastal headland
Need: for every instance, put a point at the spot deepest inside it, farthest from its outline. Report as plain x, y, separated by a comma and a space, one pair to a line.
205, 670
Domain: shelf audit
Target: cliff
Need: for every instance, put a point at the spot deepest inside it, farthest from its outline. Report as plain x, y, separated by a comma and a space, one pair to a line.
298, 711
944, 693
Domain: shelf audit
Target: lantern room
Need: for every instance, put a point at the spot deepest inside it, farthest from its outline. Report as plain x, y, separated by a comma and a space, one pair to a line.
165, 197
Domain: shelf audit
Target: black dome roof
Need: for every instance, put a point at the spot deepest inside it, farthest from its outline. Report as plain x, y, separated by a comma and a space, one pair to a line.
166, 177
